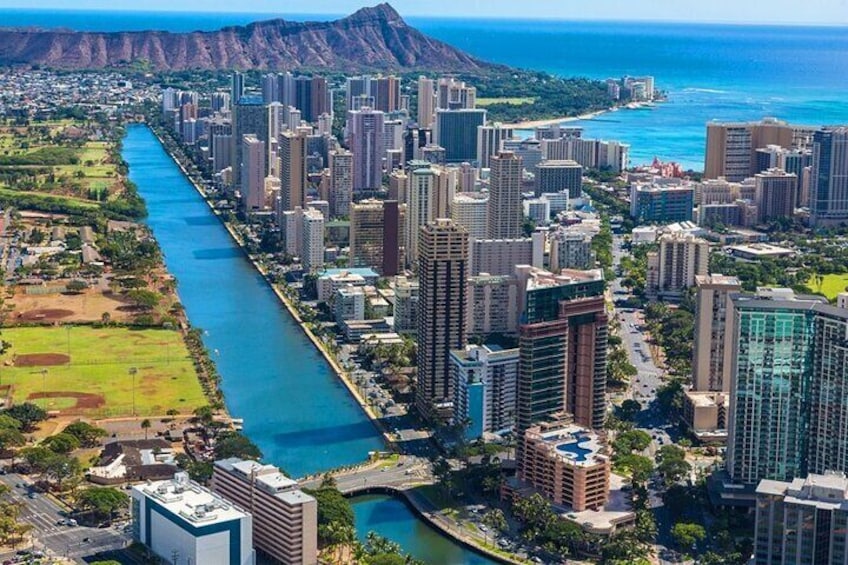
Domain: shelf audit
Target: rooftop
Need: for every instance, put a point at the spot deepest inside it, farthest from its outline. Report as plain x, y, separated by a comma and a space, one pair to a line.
540, 278
344, 273
193, 503
573, 444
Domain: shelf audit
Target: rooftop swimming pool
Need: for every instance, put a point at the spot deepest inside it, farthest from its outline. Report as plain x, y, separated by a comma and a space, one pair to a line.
573, 448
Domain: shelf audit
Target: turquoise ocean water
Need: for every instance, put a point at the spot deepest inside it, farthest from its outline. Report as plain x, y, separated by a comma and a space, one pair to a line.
723, 72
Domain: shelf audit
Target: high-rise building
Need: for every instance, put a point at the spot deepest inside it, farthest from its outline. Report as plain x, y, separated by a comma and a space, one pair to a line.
386, 92
829, 177
559, 176
236, 87
530, 151
442, 272
732, 147
681, 257
249, 117
285, 519
571, 249
788, 397
563, 343
312, 256
803, 521
270, 88
456, 131
650, 203
426, 102
253, 173
489, 139
180, 520
500, 256
430, 192
377, 228
506, 218
341, 182
453, 94
484, 379
777, 192
471, 211
589, 153
291, 151
366, 139
711, 359
492, 305
406, 306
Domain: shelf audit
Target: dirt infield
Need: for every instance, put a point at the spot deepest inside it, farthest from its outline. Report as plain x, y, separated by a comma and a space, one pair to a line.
84, 400
44, 315
41, 360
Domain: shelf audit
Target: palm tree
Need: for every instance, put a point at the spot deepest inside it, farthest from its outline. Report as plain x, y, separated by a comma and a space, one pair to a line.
145, 425
494, 519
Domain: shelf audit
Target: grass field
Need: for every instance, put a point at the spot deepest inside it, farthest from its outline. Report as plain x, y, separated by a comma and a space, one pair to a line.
97, 382
93, 172
513, 101
831, 285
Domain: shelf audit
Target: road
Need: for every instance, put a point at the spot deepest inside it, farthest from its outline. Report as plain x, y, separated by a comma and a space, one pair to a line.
44, 515
405, 472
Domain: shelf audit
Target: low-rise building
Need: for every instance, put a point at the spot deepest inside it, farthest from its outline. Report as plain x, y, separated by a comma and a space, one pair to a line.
705, 412
567, 464
333, 279
756, 251
285, 519
183, 522
349, 304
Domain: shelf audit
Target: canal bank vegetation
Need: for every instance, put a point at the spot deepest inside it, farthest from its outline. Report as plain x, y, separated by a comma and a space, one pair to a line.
337, 533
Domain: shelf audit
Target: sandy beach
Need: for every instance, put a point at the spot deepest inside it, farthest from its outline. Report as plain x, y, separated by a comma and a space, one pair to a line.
552, 121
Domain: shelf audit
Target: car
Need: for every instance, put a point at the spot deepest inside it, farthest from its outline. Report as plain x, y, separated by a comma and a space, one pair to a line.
33, 495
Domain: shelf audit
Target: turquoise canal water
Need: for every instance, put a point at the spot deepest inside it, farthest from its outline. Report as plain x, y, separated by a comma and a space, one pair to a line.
294, 408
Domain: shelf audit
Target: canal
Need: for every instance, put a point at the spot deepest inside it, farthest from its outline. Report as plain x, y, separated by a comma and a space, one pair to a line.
293, 406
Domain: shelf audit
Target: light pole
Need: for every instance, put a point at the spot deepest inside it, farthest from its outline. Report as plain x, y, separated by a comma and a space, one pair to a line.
132, 372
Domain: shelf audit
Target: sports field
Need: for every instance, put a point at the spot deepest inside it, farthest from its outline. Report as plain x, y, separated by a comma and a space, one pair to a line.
100, 372
831, 285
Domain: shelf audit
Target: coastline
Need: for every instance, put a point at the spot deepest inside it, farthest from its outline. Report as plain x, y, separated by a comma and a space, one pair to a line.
340, 373
588, 116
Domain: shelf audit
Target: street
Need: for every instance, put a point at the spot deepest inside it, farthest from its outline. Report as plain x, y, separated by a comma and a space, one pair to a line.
45, 515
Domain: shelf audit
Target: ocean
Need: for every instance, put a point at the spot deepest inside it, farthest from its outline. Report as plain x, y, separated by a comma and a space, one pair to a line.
710, 72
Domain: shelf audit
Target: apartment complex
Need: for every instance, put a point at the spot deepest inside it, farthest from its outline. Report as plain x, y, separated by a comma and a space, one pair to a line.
506, 217
181, 521
664, 204
829, 177
285, 519
559, 176
711, 363
777, 192
471, 211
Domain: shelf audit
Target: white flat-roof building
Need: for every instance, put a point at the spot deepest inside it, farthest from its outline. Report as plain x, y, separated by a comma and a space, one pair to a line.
182, 522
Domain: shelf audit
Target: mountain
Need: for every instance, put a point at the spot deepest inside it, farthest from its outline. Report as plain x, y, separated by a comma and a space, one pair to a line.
374, 38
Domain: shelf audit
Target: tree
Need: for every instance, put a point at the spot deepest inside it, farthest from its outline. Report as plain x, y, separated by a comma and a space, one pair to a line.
333, 507
628, 410
76, 286
102, 501
686, 535
630, 441
145, 425
639, 466
495, 520
144, 299
672, 465
61, 443
205, 415
28, 414
62, 469
235, 444
11, 437
88, 435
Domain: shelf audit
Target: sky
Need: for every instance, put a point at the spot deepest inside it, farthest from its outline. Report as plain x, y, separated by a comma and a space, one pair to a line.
830, 12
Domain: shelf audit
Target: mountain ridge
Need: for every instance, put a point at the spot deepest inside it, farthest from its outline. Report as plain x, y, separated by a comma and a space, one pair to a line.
372, 38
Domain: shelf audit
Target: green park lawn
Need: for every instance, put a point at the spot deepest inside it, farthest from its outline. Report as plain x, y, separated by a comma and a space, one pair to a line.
831, 285
98, 381
516, 101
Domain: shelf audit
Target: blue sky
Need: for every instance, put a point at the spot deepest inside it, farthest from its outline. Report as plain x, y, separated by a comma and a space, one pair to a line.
833, 12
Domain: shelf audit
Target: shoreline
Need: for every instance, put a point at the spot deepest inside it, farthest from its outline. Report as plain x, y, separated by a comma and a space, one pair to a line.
532, 124
340, 373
